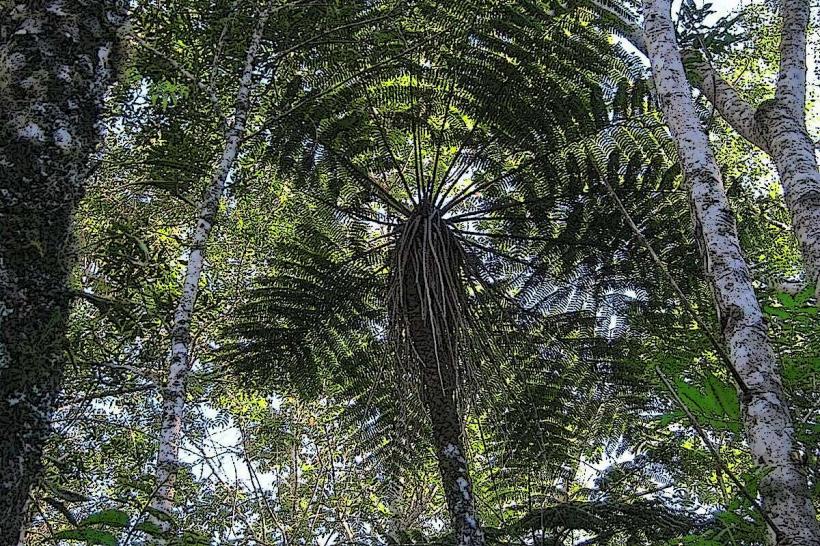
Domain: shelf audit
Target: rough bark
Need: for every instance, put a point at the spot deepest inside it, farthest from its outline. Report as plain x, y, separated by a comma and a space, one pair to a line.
768, 425
432, 344
56, 62
180, 360
727, 102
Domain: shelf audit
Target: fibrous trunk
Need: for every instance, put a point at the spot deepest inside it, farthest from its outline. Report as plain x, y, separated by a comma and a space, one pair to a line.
56, 62
430, 309
180, 363
769, 430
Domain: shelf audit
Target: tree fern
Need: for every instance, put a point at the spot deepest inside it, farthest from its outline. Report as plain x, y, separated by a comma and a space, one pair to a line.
442, 222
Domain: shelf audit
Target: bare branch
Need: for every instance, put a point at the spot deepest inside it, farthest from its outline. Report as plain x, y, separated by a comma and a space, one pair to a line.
730, 105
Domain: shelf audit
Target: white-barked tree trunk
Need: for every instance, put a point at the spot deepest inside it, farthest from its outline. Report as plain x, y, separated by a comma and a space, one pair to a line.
180, 361
769, 431
778, 127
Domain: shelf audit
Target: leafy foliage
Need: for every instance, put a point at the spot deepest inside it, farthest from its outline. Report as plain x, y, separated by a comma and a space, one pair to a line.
496, 126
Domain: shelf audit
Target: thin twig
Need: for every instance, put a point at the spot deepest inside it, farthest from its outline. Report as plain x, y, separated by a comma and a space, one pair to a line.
718, 460
45, 519
683, 299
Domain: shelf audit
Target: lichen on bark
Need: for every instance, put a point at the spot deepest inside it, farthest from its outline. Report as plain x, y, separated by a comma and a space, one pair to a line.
57, 60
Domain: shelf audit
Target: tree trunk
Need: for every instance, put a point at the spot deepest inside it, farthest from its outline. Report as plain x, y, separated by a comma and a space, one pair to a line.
788, 143
180, 362
56, 63
769, 431
778, 127
436, 355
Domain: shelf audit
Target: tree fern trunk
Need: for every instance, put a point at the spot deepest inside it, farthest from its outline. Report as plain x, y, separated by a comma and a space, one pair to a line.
56, 63
432, 342
768, 424
180, 366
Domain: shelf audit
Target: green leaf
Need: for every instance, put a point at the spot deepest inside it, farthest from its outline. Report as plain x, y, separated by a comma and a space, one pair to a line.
668, 418
689, 394
112, 517
89, 536
787, 300
805, 295
729, 518
776, 311
726, 396
149, 527
697, 401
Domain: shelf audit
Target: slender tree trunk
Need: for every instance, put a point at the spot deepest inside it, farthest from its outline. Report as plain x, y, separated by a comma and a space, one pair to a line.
180, 361
768, 425
435, 352
56, 63
788, 143
778, 127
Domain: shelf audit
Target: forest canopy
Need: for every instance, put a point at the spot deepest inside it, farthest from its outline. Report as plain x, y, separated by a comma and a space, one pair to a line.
394, 272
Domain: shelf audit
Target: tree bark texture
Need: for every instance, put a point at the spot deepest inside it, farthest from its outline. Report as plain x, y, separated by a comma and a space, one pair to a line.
180, 361
778, 127
432, 344
57, 61
768, 425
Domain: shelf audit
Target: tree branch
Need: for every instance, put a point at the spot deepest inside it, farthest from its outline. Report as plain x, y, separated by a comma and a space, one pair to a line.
730, 105
791, 79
